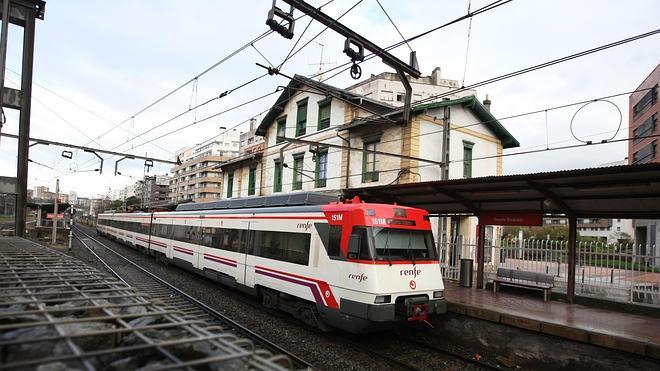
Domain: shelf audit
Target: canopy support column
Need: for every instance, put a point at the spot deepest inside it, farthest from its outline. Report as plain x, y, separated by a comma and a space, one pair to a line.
572, 237
481, 241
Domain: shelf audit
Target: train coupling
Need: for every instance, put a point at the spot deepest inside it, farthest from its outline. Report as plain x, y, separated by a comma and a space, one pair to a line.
417, 309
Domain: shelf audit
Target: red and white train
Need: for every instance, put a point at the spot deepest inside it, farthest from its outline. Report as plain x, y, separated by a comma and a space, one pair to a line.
352, 265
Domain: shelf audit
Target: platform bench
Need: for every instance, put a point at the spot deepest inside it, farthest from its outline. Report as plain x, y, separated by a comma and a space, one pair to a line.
524, 279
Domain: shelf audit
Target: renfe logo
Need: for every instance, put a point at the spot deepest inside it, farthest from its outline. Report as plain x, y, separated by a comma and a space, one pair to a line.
358, 277
306, 226
410, 272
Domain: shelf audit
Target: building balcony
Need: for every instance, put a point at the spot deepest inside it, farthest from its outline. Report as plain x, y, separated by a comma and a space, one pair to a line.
214, 190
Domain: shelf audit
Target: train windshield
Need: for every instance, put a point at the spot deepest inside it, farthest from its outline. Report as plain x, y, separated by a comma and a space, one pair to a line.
398, 244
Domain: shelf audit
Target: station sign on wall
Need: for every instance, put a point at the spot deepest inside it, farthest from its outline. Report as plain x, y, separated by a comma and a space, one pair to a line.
50, 215
519, 219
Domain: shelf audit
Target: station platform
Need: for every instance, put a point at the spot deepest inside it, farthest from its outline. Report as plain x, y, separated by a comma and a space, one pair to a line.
632, 333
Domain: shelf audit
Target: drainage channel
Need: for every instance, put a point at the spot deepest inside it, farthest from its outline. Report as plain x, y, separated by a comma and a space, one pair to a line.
58, 312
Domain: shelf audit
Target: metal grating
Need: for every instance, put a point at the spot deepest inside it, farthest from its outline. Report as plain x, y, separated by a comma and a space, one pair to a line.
59, 312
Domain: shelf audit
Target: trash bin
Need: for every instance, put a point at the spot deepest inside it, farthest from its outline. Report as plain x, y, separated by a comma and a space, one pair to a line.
465, 277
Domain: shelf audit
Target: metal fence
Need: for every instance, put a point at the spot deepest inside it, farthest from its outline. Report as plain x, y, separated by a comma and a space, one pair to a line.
620, 272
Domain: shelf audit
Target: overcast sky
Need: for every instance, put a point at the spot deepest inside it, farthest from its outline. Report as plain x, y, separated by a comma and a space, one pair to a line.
114, 58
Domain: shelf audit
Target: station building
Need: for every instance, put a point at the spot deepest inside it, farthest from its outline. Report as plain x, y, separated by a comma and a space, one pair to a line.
339, 139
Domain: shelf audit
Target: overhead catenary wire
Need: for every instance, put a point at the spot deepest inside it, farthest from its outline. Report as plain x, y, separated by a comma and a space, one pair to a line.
207, 118
434, 132
476, 12
204, 72
171, 119
417, 102
291, 55
75, 104
458, 127
482, 9
535, 67
397, 169
242, 85
467, 46
346, 66
394, 24
461, 160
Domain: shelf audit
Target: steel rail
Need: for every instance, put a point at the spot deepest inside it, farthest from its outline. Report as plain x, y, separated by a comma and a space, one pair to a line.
267, 344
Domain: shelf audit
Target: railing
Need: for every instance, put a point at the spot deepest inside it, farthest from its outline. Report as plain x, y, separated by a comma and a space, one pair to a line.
620, 272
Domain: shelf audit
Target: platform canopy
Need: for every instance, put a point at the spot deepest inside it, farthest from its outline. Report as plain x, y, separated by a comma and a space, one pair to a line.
629, 191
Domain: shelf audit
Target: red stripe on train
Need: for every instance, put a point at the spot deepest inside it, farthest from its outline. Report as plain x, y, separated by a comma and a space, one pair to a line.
326, 293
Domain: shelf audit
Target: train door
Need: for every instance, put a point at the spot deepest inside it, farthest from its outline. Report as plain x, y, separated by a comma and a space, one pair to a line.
247, 248
167, 233
194, 231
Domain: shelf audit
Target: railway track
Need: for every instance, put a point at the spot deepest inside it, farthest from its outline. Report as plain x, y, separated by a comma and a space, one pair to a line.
194, 310
405, 353
402, 354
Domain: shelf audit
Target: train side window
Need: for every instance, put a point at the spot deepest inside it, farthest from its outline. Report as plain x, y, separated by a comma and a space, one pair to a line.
289, 247
178, 232
334, 242
234, 240
224, 239
208, 237
166, 230
297, 248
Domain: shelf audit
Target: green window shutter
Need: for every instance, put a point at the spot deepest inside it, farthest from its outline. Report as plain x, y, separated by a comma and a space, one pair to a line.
369, 158
252, 179
324, 114
321, 169
467, 159
297, 171
230, 185
281, 129
277, 178
301, 118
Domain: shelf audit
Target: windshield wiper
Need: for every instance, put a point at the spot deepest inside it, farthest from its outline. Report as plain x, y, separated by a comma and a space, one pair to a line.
386, 251
412, 252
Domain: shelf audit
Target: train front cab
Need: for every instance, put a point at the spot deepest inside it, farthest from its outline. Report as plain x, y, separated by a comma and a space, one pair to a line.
384, 264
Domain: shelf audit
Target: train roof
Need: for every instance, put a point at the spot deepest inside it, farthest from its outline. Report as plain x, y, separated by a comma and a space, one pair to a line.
279, 200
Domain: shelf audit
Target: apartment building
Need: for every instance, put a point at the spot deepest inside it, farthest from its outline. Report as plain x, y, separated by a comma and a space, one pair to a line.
153, 191
642, 126
196, 179
643, 120
387, 87
249, 140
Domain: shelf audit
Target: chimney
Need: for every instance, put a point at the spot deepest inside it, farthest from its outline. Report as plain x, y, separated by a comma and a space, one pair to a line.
253, 123
487, 103
435, 76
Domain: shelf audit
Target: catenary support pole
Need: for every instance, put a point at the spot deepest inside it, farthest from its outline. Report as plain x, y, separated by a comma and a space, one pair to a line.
57, 196
24, 120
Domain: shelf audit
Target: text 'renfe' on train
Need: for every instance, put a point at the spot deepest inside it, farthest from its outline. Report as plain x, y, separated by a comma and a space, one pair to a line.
352, 265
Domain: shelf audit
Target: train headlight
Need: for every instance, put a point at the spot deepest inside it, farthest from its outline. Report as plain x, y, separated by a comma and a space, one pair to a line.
383, 299
438, 294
